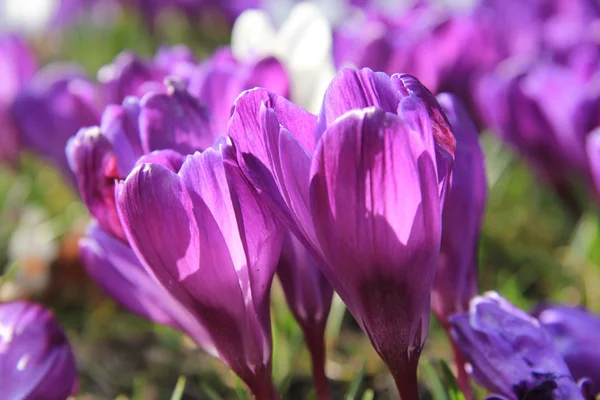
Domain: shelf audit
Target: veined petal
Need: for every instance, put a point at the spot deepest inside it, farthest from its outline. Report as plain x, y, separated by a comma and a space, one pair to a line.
376, 212
94, 165
356, 89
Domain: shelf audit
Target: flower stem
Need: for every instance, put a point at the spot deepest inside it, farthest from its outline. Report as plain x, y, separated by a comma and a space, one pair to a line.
315, 342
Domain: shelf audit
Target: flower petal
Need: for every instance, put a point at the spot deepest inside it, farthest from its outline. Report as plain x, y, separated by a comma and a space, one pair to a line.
174, 120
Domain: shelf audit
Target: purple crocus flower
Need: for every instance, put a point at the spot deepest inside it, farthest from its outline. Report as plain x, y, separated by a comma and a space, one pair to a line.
168, 119
456, 276
309, 296
576, 334
17, 66
35, 357
510, 353
202, 231
373, 225
545, 112
51, 108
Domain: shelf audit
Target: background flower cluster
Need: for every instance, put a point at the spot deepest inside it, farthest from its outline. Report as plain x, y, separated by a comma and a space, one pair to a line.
300, 199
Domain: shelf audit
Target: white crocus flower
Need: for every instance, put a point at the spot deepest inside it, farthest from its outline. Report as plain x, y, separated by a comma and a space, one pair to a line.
303, 43
30, 16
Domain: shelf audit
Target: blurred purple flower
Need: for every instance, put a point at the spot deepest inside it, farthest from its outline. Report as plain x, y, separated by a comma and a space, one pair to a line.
544, 111
219, 80
576, 334
205, 235
309, 296
444, 51
51, 108
115, 268
510, 353
17, 66
35, 357
372, 225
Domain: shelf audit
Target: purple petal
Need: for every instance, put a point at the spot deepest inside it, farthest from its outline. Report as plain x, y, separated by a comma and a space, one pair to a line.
128, 75
120, 126
174, 120
356, 89
376, 212
35, 357
575, 333
116, 269
307, 291
456, 277
53, 107
193, 247
510, 353
94, 165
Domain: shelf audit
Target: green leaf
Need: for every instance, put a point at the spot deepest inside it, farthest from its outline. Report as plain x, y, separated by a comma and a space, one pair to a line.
454, 392
432, 377
369, 394
355, 385
179, 388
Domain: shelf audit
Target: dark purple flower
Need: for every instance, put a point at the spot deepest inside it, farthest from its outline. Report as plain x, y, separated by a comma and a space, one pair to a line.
510, 353
170, 119
35, 357
309, 296
115, 268
205, 235
362, 187
576, 334
544, 111
17, 66
456, 277
57, 102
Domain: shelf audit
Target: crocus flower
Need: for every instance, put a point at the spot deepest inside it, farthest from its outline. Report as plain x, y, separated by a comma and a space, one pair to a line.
169, 119
202, 231
576, 334
131, 75
115, 268
362, 187
220, 79
456, 276
510, 353
51, 108
545, 112
309, 296
302, 44
35, 357
17, 66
